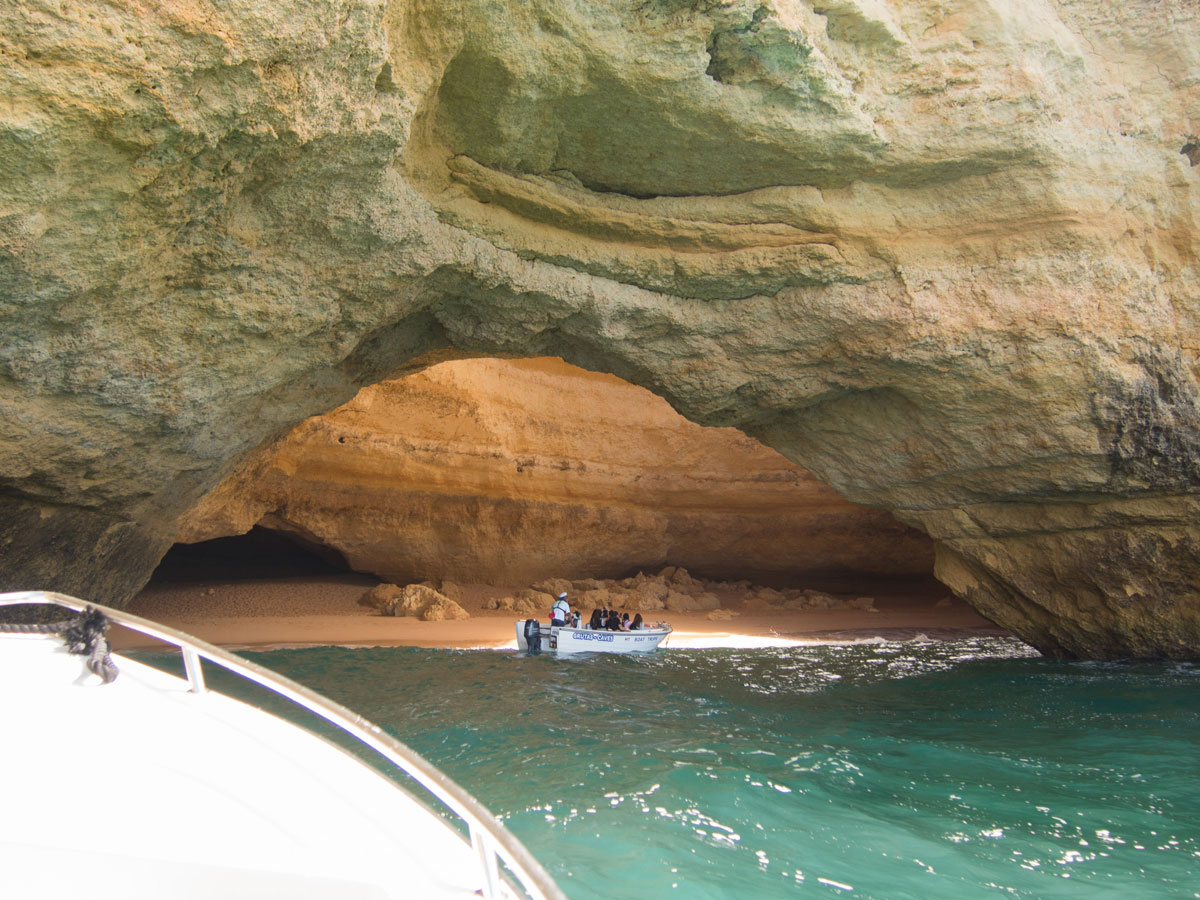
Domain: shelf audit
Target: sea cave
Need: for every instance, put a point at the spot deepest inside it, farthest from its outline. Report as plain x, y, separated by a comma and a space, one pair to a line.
943, 262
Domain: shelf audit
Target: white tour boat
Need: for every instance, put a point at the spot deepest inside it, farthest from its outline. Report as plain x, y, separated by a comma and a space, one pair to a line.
122, 781
534, 637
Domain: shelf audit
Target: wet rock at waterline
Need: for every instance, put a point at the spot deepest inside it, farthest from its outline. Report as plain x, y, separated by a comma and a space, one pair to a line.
942, 258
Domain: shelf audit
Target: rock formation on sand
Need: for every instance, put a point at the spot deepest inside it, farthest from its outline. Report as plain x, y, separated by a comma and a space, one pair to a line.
673, 589
942, 256
505, 472
419, 600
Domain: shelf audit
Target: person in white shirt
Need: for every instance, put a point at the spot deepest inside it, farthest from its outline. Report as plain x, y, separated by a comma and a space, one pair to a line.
560, 612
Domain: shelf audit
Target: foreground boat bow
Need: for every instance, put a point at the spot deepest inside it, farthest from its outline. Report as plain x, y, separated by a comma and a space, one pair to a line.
156, 786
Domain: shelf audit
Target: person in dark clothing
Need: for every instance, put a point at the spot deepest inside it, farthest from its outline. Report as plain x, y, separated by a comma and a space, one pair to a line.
614, 621
636, 625
596, 623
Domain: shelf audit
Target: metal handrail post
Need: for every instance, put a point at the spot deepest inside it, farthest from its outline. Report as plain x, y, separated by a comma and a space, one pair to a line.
488, 860
194, 671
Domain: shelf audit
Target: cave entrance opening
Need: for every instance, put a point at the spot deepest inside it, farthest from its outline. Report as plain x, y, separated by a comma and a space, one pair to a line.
510, 472
260, 553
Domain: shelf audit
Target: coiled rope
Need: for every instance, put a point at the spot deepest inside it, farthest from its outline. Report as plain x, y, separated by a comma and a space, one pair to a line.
84, 635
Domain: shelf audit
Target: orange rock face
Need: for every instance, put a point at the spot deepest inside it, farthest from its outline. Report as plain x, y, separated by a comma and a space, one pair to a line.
507, 471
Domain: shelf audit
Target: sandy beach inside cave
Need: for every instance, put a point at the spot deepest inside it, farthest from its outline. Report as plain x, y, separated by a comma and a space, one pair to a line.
324, 610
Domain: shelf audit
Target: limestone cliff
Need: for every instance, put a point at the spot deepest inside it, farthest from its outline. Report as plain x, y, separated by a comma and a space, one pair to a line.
507, 472
942, 254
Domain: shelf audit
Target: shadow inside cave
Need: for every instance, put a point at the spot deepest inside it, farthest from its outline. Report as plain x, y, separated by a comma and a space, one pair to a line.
258, 554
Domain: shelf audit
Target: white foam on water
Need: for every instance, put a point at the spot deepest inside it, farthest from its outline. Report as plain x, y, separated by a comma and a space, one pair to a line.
702, 641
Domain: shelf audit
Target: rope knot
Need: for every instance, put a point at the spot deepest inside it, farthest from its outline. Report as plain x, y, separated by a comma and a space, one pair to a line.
83, 635
86, 635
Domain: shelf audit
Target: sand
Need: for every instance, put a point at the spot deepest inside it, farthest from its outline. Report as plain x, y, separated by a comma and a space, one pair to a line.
323, 610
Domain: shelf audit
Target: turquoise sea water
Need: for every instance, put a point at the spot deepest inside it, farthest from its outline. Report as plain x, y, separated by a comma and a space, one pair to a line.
957, 769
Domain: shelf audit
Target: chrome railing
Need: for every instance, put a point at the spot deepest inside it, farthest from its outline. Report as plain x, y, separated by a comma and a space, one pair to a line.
490, 840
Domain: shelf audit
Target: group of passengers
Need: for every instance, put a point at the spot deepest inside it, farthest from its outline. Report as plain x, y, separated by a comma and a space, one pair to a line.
601, 620
611, 620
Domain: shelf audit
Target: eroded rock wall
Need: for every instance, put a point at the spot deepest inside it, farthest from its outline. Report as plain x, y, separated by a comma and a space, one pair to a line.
940, 254
508, 472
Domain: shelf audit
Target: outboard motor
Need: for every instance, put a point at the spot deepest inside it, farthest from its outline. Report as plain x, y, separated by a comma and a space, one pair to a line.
533, 636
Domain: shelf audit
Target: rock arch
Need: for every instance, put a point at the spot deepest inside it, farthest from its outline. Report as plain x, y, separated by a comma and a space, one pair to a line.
945, 262
511, 472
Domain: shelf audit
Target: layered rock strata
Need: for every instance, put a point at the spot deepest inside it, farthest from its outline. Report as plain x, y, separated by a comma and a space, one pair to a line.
943, 256
507, 472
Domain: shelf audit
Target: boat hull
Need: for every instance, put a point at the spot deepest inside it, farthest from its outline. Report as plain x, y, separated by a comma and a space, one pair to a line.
565, 641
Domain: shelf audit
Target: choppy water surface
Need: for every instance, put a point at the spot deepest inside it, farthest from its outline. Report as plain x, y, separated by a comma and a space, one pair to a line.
957, 769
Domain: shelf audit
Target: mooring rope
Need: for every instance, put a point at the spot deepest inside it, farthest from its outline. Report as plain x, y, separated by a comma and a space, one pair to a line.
84, 635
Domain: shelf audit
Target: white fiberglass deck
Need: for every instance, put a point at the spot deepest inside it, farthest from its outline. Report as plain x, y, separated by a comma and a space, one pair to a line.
144, 788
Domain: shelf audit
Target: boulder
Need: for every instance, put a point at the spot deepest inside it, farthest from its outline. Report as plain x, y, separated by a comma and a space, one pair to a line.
680, 602
588, 584
821, 600
443, 608
415, 599
646, 597
523, 605
454, 591
653, 588
534, 595
529, 602
529, 606
596, 598
770, 595
553, 587
382, 597
680, 579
